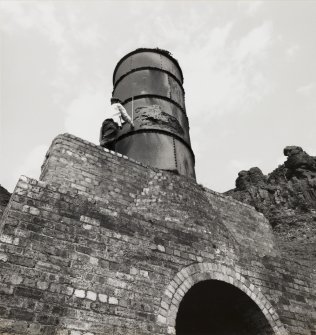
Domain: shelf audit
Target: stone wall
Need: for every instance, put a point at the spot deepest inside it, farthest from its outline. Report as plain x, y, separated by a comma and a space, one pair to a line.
104, 245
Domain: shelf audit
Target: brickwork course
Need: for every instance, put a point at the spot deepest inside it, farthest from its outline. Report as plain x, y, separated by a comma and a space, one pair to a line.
102, 244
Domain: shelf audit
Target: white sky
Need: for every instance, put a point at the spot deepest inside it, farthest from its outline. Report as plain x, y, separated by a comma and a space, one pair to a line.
249, 74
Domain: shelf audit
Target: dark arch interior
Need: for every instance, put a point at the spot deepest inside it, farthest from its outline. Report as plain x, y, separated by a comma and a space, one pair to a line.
214, 307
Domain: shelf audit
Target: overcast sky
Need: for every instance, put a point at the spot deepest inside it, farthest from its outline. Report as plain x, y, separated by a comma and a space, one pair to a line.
249, 75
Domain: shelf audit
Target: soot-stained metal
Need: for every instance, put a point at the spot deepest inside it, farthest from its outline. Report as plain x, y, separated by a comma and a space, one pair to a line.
149, 82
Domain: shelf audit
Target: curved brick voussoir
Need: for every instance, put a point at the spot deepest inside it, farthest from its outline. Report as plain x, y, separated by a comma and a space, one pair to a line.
187, 277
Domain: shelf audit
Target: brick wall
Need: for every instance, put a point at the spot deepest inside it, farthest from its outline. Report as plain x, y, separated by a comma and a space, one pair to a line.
104, 245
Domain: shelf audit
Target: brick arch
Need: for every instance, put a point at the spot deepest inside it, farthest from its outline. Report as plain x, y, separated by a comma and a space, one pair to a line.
191, 275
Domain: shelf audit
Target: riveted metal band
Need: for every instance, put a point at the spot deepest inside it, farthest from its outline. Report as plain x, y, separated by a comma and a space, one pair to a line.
159, 131
148, 68
157, 51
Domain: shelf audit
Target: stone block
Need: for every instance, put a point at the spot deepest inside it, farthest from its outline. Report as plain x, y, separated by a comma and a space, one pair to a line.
80, 293
113, 301
103, 297
91, 295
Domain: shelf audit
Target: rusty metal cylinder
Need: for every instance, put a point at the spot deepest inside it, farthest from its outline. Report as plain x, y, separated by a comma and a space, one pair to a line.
149, 83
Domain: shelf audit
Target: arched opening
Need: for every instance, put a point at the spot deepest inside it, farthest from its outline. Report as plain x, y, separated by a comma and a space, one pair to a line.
215, 307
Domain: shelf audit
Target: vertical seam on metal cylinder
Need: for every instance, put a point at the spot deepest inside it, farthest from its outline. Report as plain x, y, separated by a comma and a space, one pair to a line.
169, 86
175, 153
132, 86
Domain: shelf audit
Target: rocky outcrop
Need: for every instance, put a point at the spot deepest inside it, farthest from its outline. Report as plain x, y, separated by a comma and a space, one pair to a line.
4, 199
287, 197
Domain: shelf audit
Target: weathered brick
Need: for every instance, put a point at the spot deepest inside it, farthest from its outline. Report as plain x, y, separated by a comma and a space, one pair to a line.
113, 301
20, 314
80, 293
28, 292
91, 295
103, 297
121, 255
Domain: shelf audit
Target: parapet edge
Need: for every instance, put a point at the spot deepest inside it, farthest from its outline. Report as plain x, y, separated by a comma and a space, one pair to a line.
68, 136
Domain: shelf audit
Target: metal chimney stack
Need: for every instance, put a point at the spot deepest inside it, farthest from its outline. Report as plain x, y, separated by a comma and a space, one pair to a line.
149, 82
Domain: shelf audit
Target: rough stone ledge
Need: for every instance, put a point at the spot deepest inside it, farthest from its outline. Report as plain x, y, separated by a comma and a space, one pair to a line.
230, 198
70, 137
78, 139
